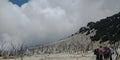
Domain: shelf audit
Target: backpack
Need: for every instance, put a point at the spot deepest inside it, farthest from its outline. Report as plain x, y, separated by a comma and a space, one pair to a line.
112, 51
106, 52
95, 51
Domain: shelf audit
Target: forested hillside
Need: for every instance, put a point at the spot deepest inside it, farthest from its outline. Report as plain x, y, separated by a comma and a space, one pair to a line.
107, 29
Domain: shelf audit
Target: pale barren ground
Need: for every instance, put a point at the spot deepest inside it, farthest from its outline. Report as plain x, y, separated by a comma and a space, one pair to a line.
62, 56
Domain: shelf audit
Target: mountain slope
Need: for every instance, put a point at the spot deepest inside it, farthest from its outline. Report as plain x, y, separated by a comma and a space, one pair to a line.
107, 29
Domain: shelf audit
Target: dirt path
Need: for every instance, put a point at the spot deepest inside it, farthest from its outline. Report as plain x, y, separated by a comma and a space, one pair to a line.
60, 57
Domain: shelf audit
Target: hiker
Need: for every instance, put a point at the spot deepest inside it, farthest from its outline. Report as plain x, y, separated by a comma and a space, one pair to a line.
100, 52
116, 54
112, 52
96, 53
106, 53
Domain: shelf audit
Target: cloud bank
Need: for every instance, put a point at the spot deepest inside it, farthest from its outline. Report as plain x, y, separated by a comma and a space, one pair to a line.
44, 21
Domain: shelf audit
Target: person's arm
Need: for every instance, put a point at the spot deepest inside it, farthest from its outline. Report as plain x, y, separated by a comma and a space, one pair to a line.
117, 54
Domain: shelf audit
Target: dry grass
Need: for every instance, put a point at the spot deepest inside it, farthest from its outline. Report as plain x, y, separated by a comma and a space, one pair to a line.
59, 57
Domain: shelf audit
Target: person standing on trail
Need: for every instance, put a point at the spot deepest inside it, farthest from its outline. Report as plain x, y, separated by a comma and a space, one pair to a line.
100, 52
107, 53
112, 52
96, 53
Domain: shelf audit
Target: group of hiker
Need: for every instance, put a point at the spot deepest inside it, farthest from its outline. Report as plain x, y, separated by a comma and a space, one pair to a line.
104, 53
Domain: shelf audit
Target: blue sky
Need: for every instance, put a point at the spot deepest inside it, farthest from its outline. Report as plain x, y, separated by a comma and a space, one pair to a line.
19, 2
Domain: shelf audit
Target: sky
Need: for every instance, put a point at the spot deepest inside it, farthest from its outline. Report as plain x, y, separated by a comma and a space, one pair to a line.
19, 2
43, 21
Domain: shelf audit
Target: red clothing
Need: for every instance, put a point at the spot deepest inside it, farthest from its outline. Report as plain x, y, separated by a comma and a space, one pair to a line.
101, 50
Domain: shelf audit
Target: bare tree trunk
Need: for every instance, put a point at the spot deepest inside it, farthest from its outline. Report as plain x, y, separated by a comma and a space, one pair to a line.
14, 49
3, 48
19, 50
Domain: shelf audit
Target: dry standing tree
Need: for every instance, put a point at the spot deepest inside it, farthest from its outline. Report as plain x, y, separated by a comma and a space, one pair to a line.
18, 50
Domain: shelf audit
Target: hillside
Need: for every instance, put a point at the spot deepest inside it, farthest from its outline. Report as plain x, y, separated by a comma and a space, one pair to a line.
78, 42
106, 31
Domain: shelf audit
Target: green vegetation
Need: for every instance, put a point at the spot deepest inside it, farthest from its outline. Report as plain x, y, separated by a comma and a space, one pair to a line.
107, 29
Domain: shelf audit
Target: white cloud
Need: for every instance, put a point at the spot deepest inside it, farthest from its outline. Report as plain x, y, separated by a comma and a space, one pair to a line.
41, 21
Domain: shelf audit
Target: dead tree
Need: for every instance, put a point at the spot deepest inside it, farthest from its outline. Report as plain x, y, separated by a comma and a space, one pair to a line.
18, 50
21, 51
14, 49
2, 48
